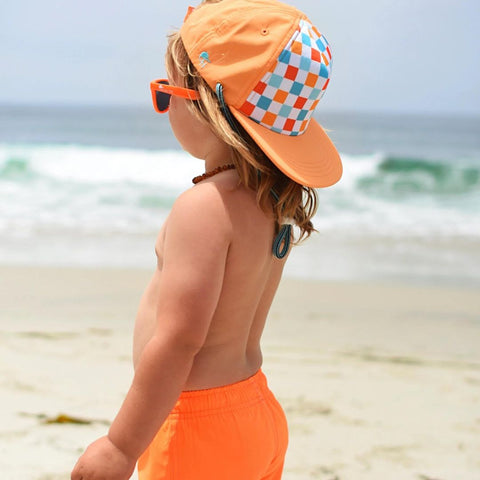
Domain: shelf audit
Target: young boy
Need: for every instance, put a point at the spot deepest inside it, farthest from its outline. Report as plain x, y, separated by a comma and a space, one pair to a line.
244, 79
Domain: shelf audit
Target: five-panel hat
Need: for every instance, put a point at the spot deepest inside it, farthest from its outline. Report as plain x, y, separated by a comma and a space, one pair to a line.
271, 66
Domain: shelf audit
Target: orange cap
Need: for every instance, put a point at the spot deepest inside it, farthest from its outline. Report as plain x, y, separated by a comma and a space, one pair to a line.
274, 67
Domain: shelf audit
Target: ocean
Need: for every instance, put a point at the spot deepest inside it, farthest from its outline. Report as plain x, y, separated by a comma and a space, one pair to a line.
91, 186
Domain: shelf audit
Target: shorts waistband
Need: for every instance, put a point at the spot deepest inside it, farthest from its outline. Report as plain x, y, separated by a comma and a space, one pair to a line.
243, 393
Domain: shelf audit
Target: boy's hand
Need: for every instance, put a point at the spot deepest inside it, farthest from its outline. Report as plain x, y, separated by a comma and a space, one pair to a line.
102, 460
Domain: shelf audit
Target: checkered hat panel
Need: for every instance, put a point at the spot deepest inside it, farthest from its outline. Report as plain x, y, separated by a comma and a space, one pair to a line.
285, 98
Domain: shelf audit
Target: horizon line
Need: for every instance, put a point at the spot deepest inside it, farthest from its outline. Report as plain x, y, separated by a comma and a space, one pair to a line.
326, 111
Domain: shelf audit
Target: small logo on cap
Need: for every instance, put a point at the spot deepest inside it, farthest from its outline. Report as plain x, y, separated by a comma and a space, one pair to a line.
204, 59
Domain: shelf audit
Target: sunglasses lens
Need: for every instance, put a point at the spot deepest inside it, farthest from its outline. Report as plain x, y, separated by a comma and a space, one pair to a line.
162, 100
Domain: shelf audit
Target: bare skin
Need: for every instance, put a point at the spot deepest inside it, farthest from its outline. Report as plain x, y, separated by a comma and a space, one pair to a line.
231, 349
202, 315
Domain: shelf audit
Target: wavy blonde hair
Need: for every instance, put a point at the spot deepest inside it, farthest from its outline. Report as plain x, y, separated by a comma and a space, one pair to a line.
295, 202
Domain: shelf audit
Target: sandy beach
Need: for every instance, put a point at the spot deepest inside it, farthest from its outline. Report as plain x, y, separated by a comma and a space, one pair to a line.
378, 381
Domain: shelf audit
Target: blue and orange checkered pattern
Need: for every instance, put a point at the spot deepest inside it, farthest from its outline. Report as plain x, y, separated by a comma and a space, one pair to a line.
285, 98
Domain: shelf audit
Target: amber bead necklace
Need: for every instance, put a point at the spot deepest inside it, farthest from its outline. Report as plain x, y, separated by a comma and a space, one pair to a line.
213, 172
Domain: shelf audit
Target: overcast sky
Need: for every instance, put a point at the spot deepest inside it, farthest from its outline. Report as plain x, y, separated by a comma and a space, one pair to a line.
419, 56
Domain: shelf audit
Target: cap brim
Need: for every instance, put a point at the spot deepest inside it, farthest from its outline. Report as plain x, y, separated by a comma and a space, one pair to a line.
310, 159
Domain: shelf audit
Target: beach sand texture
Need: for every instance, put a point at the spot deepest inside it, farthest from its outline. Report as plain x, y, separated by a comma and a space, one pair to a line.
378, 381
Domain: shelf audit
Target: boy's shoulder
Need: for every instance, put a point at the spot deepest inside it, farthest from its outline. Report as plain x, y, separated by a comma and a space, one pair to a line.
202, 207
208, 197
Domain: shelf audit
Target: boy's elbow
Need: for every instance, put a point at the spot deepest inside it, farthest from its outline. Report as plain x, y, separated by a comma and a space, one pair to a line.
184, 334
189, 345
183, 342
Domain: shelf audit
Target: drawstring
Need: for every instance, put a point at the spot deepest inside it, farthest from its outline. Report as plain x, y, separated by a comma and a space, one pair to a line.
281, 242
225, 110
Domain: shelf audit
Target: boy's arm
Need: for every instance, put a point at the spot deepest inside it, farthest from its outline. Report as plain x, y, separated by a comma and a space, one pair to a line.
196, 243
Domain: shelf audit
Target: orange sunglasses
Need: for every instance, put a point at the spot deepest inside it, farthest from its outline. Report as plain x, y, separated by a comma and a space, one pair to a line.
162, 91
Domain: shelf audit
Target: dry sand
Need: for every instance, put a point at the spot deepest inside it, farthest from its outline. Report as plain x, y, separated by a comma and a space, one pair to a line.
378, 381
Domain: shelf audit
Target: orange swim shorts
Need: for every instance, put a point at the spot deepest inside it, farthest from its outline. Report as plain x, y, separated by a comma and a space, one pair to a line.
235, 432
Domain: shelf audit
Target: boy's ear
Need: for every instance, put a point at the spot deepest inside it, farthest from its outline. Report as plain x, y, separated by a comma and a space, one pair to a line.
189, 11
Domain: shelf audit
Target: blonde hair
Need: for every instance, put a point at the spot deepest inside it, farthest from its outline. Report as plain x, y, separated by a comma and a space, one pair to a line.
291, 201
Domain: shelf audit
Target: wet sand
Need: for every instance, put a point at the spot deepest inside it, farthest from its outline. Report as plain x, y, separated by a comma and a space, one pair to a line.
378, 381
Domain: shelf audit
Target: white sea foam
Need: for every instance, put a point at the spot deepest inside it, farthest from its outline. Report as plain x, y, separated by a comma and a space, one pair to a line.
49, 192
89, 188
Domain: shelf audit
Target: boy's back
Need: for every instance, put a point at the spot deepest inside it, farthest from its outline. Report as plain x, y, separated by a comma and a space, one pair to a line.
226, 229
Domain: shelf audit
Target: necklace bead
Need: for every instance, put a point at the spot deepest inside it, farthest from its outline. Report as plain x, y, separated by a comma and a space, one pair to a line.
213, 172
